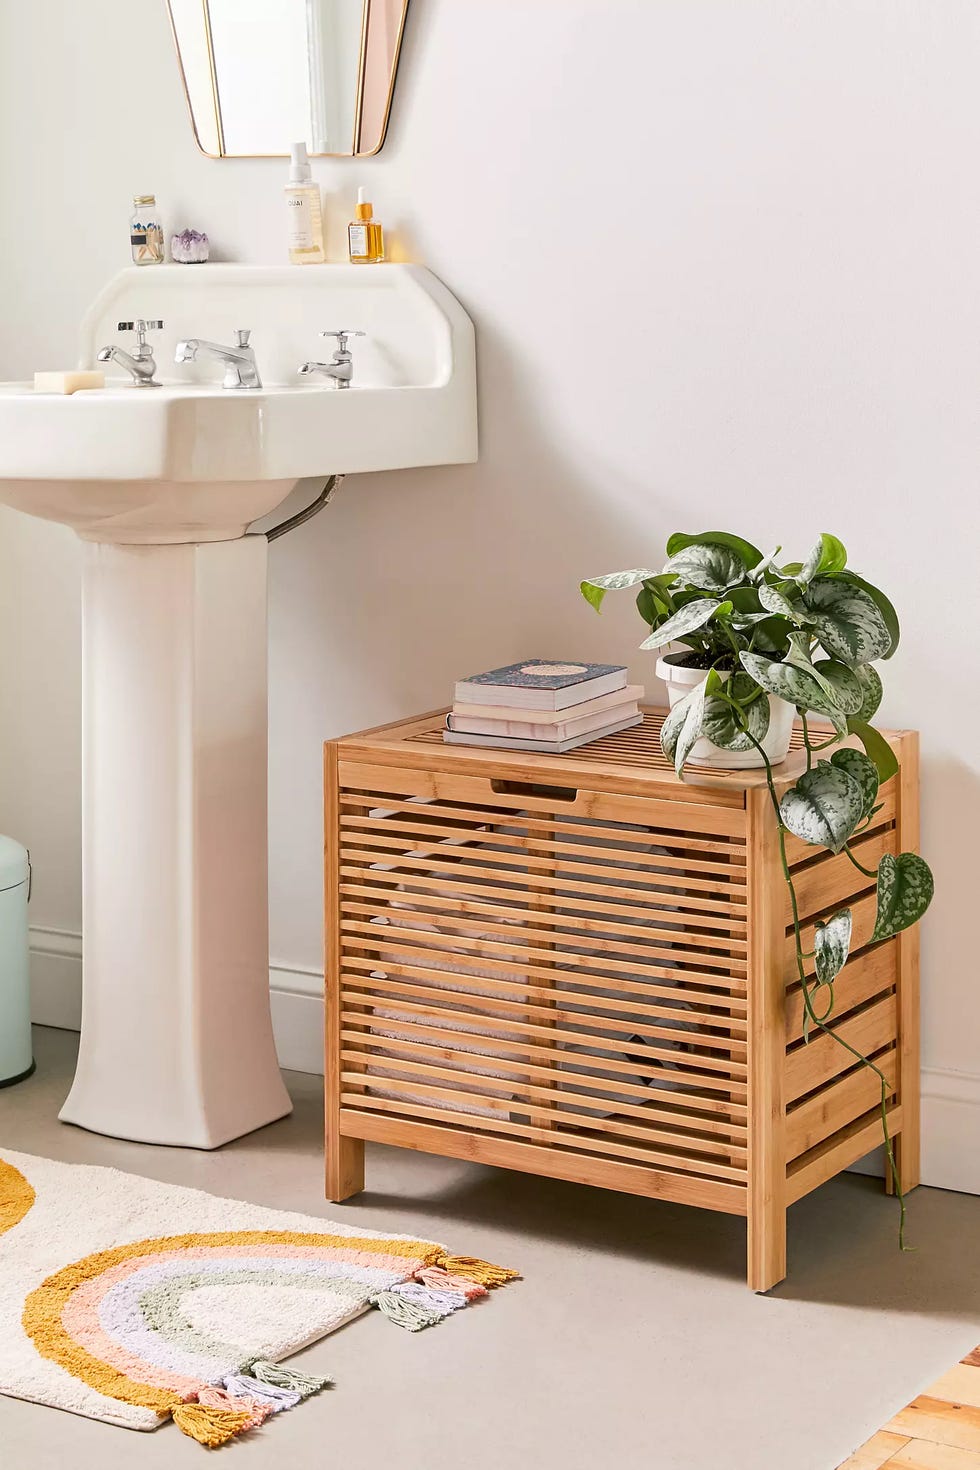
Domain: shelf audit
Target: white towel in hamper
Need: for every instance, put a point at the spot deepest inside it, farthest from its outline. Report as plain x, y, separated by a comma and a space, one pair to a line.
462, 965
628, 1043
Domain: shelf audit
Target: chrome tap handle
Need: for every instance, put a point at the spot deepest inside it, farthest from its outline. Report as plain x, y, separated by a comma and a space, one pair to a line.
243, 334
342, 335
140, 327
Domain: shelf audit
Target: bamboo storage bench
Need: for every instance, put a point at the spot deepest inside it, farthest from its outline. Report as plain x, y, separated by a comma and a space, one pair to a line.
582, 967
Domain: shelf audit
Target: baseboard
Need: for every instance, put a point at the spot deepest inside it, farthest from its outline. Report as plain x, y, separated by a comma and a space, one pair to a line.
297, 1003
950, 1100
297, 1017
56, 978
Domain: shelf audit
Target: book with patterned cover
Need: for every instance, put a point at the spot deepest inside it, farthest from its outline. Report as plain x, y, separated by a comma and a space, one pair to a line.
539, 683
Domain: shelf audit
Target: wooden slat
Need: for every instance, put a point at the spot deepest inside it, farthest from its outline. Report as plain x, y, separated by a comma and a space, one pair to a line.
555, 1135
534, 961
767, 1107
465, 1143
612, 799
679, 1112
514, 998
632, 755
622, 845
551, 821
504, 865
509, 848
831, 881
463, 893
686, 1071
344, 1157
413, 1031
865, 976
545, 1106
580, 935
909, 1083
835, 1106
844, 1148
493, 1012
823, 1058
567, 884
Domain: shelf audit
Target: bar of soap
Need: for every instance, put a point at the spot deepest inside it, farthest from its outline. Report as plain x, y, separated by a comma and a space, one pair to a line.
70, 382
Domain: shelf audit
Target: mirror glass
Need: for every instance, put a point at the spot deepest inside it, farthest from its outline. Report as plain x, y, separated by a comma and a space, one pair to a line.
262, 74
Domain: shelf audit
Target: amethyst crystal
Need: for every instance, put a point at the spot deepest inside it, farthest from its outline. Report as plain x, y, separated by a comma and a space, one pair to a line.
190, 247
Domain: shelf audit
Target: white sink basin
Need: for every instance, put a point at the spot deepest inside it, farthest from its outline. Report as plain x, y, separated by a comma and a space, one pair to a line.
177, 1044
193, 462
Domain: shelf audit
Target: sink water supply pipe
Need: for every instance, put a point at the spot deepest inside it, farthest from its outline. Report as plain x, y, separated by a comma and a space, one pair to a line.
330, 487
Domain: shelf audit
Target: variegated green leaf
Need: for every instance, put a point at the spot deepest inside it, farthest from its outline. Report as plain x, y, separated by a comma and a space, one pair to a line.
757, 572
863, 770
594, 589
824, 806
792, 684
905, 888
692, 615
720, 723
831, 942
846, 620
749, 620
775, 601
841, 683
881, 602
682, 726
709, 568
829, 555
680, 539
876, 746
871, 685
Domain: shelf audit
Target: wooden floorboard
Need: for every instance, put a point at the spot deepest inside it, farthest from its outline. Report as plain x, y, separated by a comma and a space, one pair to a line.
939, 1430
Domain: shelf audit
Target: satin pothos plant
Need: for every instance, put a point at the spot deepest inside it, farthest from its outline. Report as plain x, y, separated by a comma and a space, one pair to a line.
809, 633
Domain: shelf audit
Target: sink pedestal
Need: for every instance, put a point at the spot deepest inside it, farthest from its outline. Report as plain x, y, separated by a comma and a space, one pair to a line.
176, 1044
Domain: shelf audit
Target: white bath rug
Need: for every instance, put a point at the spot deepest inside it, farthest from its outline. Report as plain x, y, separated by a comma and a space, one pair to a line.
135, 1302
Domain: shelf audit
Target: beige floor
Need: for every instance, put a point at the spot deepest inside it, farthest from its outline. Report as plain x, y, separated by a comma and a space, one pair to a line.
632, 1342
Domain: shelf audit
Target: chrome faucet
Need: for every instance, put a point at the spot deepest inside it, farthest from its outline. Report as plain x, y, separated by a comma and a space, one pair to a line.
341, 365
139, 363
241, 370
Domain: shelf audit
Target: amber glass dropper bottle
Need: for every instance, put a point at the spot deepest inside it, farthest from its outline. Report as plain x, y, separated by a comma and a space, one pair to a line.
365, 237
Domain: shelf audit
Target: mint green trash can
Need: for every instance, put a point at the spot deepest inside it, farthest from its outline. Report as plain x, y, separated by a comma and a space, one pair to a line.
16, 1056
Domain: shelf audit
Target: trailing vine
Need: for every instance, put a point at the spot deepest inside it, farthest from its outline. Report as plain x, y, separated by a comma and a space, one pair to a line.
807, 633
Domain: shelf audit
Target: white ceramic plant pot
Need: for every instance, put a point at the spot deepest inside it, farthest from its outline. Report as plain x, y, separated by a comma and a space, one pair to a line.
681, 680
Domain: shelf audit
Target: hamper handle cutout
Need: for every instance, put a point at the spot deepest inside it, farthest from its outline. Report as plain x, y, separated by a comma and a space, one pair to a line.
534, 788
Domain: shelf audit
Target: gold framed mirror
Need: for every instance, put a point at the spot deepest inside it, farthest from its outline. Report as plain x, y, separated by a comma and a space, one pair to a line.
260, 75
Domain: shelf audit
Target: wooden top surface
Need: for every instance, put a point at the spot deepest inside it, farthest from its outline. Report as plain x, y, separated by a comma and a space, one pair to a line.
632, 755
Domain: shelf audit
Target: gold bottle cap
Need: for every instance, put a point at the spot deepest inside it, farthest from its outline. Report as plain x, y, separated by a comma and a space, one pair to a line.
365, 211
144, 199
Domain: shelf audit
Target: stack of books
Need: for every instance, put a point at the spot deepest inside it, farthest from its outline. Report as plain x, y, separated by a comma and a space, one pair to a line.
541, 705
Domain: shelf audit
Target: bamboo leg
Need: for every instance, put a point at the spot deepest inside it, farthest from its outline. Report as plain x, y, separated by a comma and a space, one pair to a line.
767, 1047
344, 1156
540, 903
907, 1142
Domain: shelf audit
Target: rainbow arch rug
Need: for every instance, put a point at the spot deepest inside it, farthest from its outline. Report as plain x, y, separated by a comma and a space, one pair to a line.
138, 1303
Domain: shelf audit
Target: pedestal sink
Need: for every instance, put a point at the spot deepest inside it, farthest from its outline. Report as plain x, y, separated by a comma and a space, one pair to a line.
163, 483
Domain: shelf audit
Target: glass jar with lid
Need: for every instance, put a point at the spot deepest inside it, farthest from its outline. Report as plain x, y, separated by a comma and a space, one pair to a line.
145, 231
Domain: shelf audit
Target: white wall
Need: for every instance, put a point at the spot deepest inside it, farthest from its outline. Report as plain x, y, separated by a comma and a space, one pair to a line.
722, 258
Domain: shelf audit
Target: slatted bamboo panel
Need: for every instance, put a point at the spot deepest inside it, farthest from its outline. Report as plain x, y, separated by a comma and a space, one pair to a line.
581, 967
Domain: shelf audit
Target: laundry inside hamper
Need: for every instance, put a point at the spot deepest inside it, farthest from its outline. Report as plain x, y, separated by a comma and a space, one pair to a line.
631, 1037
